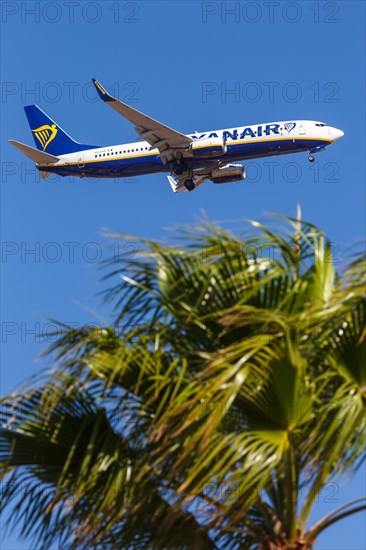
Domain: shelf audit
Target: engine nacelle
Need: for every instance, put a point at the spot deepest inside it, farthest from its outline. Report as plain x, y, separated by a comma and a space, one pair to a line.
208, 147
228, 173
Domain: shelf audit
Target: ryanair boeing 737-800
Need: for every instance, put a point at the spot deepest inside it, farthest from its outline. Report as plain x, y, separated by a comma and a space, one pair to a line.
190, 159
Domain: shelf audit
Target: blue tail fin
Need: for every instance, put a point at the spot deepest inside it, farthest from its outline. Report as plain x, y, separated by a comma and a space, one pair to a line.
48, 135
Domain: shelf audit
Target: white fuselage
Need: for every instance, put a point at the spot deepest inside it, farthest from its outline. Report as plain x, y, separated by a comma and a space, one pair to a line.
244, 142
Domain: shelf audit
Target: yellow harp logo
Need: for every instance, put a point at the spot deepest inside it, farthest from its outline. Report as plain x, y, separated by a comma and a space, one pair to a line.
45, 134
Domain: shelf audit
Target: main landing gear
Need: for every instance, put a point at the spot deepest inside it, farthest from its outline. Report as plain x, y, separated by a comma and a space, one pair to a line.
311, 158
179, 166
189, 184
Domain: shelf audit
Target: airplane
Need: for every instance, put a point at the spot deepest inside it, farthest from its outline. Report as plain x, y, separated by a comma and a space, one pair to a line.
190, 159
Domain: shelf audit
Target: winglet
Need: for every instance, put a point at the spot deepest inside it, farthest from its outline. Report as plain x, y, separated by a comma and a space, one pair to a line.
102, 92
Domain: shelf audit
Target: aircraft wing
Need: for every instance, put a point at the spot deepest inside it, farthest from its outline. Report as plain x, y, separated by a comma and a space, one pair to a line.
159, 136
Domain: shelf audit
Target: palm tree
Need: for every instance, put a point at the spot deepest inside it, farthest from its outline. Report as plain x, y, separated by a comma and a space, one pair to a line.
228, 390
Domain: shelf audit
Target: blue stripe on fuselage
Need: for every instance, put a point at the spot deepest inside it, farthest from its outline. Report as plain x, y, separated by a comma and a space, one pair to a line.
149, 164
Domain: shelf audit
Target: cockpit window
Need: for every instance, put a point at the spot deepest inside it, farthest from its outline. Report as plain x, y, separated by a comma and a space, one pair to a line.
320, 124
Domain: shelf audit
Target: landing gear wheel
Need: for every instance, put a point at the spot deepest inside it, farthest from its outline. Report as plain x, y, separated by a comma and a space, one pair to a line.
311, 158
189, 184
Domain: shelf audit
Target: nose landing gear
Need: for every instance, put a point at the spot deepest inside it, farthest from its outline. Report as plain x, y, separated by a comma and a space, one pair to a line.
317, 149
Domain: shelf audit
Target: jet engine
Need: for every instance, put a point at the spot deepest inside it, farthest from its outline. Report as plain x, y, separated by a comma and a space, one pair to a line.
208, 147
228, 173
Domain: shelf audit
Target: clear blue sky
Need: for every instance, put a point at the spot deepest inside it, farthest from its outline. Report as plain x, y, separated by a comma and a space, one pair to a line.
177, 62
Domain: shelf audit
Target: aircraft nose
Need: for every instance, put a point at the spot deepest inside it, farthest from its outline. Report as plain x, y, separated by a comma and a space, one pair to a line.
337, 134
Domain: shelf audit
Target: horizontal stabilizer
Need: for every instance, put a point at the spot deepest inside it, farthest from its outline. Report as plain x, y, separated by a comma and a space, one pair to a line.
39, 157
